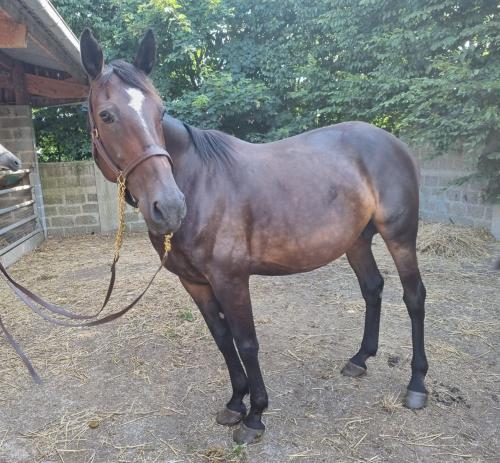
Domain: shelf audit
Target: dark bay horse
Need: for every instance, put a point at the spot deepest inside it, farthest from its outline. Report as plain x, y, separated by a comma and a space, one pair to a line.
238, 209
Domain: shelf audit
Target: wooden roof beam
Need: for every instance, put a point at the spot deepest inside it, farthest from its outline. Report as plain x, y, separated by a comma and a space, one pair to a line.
12, 33
19, 83
45, 35
56, 89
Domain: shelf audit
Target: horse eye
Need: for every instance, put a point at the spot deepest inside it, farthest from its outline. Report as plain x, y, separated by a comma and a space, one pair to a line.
106, 117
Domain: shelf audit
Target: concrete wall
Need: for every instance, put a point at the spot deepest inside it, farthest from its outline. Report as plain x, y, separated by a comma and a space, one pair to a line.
17, 135
78, 200
442, 200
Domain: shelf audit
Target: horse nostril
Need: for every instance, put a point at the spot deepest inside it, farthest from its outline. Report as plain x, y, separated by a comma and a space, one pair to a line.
157, 212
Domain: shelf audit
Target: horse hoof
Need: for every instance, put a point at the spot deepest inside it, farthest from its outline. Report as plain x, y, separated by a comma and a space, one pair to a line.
415, 400
245, 435
228, 417
353, 370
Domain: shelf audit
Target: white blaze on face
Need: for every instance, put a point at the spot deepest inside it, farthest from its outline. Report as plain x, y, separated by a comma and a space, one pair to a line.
136, 102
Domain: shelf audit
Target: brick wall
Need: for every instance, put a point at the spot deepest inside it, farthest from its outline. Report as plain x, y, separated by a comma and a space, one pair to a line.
441, 199
79, 201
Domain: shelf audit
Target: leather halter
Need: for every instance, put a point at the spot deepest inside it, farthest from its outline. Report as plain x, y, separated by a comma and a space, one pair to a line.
99, 151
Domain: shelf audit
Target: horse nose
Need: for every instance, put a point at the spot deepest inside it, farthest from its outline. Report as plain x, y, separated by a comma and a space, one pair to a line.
160, 211
168, 212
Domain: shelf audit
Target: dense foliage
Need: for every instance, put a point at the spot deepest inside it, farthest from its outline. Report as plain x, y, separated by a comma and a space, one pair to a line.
427, 70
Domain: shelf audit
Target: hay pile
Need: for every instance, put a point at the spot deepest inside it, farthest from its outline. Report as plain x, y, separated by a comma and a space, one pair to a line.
438, 239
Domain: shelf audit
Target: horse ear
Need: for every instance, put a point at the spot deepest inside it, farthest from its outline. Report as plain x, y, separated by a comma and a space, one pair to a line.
145, 58
91, 54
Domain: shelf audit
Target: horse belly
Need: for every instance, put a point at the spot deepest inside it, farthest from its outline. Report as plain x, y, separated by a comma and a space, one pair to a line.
301, 247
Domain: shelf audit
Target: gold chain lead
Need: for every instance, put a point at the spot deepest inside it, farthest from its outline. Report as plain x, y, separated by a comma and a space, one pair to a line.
167, 244
121, 215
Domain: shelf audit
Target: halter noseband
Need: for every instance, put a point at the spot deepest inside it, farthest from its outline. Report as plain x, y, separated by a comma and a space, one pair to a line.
99, 149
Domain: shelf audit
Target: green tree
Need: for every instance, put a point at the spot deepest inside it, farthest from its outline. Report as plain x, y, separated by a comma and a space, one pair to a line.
426, 70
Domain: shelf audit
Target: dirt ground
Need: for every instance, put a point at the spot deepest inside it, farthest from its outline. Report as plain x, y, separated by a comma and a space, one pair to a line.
146, 387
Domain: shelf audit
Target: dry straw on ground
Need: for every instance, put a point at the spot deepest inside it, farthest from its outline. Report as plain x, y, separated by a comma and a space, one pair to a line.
146, 388
453, 241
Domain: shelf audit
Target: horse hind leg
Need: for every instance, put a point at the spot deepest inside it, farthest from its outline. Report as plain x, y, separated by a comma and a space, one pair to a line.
400, 238
370, 280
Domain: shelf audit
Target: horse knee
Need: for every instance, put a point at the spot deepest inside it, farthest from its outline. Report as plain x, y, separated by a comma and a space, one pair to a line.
372, 288
414, 298
222, 336
248, 350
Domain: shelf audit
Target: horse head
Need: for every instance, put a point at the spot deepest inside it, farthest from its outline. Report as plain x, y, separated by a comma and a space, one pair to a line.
125, 114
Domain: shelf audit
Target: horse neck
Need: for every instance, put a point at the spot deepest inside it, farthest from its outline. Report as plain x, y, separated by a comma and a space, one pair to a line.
187, 164
177, 140
191, 172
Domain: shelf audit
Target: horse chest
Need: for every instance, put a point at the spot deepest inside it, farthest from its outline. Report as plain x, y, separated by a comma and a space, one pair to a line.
179, 264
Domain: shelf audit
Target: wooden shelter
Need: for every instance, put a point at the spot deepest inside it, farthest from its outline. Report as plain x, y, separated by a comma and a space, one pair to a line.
39, 66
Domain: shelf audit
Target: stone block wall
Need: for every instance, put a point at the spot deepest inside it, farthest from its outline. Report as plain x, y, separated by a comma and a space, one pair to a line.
78, 202
17, 135
443, 200
70, 198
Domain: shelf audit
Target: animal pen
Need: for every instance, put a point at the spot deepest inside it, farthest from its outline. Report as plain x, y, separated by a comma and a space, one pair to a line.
39, 66
147, 388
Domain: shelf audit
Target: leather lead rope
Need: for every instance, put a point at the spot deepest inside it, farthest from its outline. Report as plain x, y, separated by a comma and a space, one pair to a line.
37, 304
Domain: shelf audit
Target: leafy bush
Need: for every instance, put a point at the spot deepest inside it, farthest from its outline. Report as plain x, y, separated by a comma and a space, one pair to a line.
427, 70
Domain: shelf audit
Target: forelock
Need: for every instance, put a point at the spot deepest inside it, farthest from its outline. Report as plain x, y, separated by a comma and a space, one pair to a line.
129, 75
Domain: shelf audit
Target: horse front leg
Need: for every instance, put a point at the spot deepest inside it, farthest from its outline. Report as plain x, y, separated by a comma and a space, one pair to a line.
209, 307
234, 297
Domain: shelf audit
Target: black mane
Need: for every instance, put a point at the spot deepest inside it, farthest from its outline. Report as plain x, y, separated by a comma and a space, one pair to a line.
211, 145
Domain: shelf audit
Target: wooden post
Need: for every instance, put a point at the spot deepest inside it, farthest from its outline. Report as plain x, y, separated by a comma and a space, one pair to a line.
19, 84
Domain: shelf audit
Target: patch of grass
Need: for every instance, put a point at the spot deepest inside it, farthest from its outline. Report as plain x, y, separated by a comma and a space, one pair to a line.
171, 333
239, 450
187, 315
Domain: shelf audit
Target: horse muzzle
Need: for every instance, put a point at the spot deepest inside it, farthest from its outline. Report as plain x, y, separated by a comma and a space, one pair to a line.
166, 212
9, 162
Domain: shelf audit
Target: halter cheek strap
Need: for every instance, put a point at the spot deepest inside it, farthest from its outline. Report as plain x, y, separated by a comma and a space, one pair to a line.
99, 150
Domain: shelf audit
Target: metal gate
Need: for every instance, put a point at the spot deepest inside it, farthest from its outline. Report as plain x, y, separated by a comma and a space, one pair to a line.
18, 211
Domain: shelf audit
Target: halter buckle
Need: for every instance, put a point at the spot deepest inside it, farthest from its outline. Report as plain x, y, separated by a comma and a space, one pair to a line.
94, 134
